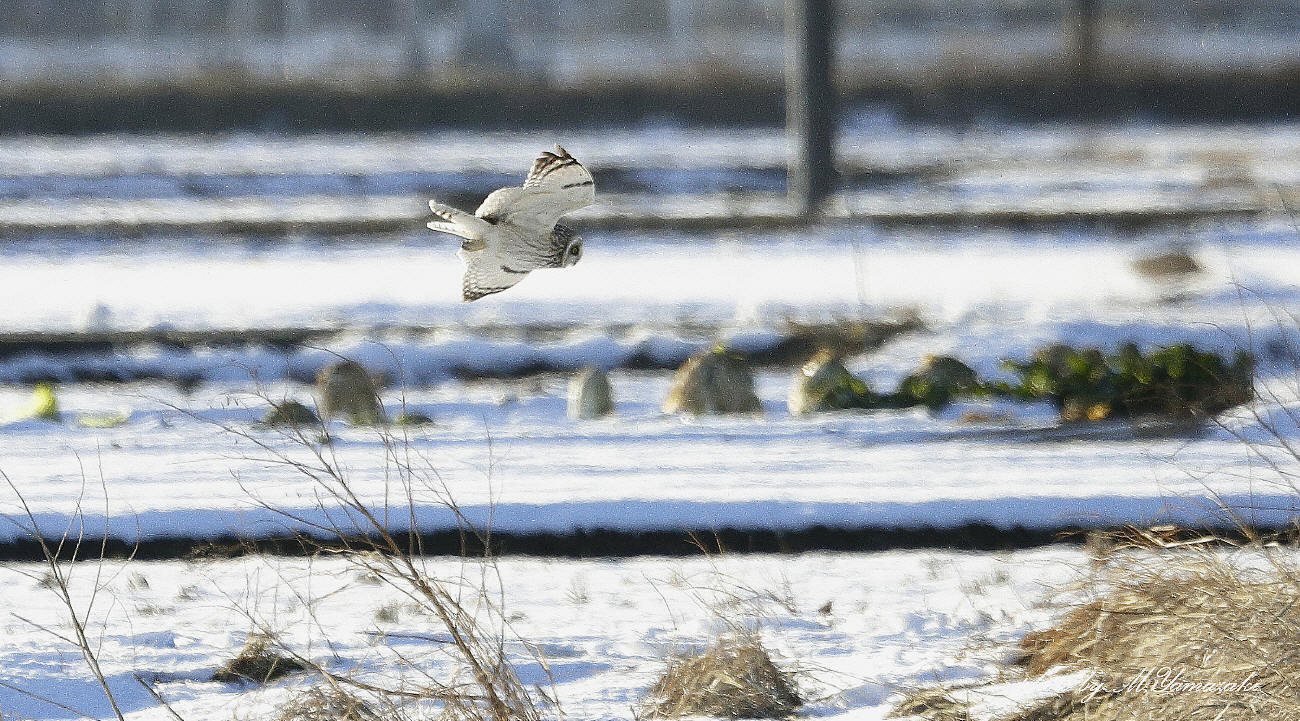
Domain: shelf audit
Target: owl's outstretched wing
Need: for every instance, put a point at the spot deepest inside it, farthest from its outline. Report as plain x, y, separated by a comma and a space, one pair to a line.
486, 273
457, 222
556, 185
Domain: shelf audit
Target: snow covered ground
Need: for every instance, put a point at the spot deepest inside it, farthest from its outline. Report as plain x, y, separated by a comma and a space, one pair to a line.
514, 461
896, 621
658, 279
160, 460
504, 447
665, 158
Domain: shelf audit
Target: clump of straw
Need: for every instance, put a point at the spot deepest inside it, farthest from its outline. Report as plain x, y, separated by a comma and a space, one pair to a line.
258, 661
327, 704
734, 677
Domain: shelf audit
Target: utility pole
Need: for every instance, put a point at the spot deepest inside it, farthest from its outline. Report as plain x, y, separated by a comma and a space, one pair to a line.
810, 104
484, 42
411, 19
297, 20
295, 28
1085, 41
141, 18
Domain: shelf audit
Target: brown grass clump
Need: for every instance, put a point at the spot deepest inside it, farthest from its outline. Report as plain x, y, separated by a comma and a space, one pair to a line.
259, 662
327, 704
289, 413
1194, 638
932, 704
713, 382
1075, 705
1172, 263
1186, 634
733, 678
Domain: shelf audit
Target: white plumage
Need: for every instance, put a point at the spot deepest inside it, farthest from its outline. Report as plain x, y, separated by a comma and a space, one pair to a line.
516, 230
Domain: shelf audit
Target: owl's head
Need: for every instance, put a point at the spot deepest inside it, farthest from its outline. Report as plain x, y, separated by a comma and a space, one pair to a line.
569, 244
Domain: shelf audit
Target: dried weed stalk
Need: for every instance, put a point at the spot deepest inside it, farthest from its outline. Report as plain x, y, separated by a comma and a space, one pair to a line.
382, 541
63, 559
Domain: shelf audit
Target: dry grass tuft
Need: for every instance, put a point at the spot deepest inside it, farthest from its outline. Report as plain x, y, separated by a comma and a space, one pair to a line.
470, 628
1193, 638
327, 704
388, 613
1171, 263
259, 662
733, 678
1193, 633
932, 704
1075, 705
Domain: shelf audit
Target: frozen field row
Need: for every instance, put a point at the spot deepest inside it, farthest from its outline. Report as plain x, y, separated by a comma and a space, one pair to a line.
860, 629
200, 467
1132, 154
505, 448
350, 214
967, 278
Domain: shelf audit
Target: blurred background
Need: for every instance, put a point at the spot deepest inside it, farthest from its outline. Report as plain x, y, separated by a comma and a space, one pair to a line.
190, 190
272, 64
205, 205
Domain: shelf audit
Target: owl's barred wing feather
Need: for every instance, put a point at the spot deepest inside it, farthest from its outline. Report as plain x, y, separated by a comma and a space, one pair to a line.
556, 185
457, 222
548, 163
485, 274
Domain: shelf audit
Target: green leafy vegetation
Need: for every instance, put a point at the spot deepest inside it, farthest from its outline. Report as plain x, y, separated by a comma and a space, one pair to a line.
1178, 381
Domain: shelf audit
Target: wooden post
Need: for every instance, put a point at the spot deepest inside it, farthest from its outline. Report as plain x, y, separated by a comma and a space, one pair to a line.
239, 20
810, 104
680, 28
141, 22
297, 20
295, 25
484, 42
1085, 41
415, 60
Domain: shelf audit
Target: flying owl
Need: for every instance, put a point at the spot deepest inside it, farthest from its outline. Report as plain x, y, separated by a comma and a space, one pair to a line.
516, 229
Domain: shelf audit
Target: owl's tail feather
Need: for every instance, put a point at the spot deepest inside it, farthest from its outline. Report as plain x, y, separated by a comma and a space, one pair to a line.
459, 223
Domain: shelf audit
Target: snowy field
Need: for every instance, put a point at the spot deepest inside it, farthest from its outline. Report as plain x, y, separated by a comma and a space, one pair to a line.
504, 446
897, 620
155, 459
392, 303
665, 158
